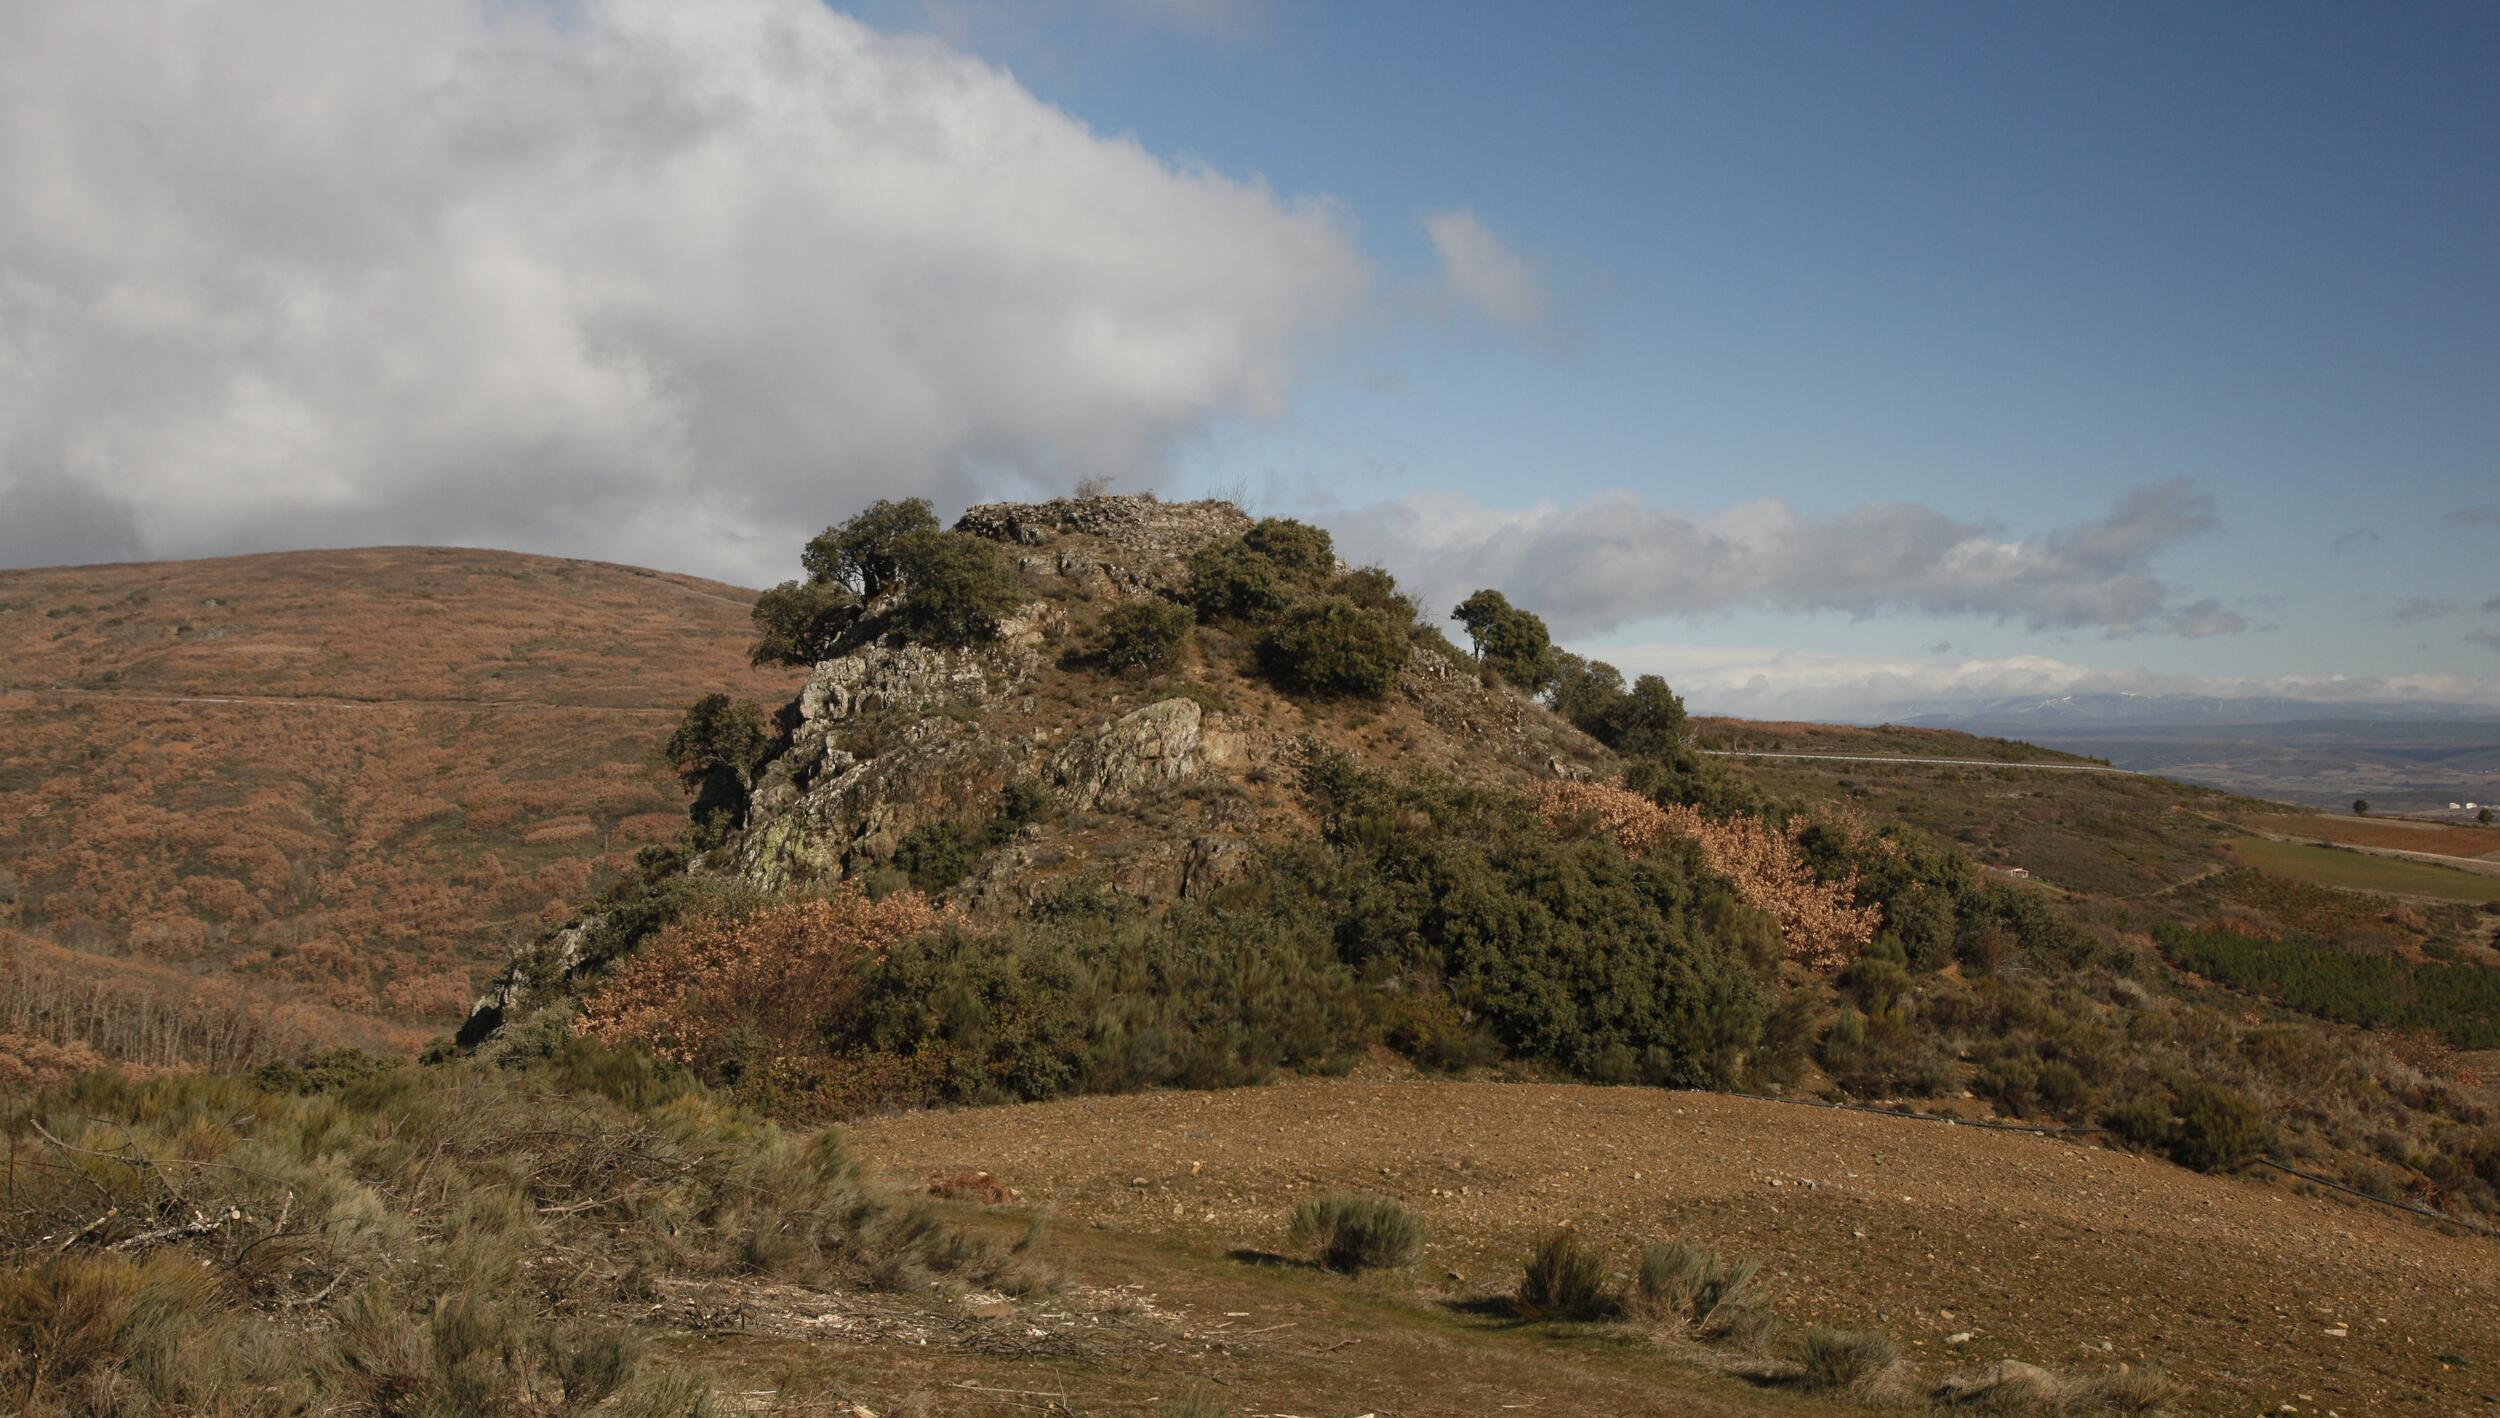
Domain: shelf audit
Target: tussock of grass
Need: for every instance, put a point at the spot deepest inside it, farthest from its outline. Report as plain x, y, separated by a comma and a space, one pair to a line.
2019, 1390
1684, 1284
1354, 1232
1566, 1280
1844, 1358
411, 1240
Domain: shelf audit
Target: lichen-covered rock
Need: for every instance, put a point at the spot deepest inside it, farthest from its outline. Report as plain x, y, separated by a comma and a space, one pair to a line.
1115, 545
888, 738
1145, 748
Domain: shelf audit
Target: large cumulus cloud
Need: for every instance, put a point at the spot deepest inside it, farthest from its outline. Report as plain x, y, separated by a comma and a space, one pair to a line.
644, 279
1617, 559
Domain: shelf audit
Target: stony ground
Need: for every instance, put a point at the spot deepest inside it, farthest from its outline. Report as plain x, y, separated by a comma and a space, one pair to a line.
2257, 1298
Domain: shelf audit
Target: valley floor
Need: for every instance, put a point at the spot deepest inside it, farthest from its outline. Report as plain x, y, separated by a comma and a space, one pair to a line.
2036, 1249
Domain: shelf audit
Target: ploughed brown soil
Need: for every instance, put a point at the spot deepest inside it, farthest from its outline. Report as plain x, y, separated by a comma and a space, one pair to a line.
2251, 1295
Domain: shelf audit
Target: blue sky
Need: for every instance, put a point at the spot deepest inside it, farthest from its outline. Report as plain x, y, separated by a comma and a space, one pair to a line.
1828, 358
2005, 261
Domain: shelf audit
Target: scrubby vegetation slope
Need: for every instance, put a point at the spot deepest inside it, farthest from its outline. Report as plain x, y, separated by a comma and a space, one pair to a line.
261, 804
1156, 794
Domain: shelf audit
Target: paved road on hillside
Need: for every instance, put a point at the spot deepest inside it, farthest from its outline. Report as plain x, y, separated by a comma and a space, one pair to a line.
1945, 762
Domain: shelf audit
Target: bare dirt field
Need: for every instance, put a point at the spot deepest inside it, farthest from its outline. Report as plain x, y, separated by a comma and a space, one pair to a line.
2038, 1249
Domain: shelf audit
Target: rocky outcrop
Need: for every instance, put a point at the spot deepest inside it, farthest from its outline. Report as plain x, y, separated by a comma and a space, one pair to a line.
1144, 748
889, 738
1118, 546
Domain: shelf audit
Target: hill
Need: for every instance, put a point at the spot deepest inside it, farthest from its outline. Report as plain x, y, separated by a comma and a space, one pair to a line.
1036, 872
1083, 811
253, 804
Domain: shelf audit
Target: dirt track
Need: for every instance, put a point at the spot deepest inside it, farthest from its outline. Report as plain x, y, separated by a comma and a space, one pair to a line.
2042, 1250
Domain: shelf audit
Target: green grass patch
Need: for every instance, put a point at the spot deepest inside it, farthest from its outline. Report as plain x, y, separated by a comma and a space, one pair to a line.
2459, 1003
2359, 871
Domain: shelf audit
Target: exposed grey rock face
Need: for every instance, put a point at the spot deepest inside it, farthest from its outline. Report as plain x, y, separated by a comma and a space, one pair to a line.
1144, 748
888, 738
1138, 545
892, 738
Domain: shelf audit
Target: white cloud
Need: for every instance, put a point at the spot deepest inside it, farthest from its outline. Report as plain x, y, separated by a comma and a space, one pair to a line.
1479, 269
657, 281
1617, 559
1758, 682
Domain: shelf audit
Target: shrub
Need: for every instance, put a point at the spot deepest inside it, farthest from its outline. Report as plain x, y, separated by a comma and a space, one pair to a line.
1619, 969
1301, 551
1817, 919
1229, 581
1584, 692
715, 749
1845, 1358
1141, 635
710, 991
1565, 1280
956, 588
1328, 645
2458, 1002
1648, 721
1509, 641
1255, 576
1352, 1232
802, 622
417, 1241
866, 554
2207, 1126
2217, 1129
1082, 1001
936, 856
1685, 1284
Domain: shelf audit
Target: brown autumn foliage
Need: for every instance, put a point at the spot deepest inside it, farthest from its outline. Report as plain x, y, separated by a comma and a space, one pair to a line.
772, 979
314, 798
1821, 927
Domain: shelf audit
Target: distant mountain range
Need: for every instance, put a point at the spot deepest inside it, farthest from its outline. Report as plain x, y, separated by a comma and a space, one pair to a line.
2121, 710
2400, 757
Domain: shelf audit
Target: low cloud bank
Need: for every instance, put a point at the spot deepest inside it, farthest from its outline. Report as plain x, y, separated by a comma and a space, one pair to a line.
664, 282
1618, 559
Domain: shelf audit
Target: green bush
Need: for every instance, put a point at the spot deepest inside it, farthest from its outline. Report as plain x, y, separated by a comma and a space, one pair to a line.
1566, 1280
1353, 1232
1253, 577
1509, 641
715, 750
1229, 581
1445, 921
2205, 1126
866, 554
802, 622
1301, 551
2459, 1003
1141, 635
937, 855
1328, 645
1621, 970
956, 588
2217, 1129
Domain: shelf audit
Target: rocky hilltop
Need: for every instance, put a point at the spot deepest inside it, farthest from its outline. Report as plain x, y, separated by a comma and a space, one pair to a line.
1153, 786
